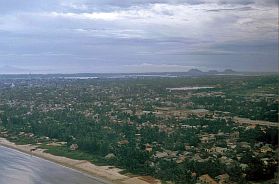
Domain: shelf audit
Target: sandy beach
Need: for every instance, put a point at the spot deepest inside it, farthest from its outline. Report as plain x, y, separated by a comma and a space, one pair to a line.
108, 173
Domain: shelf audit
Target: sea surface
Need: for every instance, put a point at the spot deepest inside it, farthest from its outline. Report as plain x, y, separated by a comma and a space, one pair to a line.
20, 168
189, 88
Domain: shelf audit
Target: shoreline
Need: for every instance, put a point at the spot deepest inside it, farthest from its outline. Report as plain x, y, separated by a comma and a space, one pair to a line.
105, 174
60, 165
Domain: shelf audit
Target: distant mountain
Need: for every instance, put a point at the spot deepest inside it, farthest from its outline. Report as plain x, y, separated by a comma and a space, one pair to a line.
229, 71
195, 72
212, 72
8, 69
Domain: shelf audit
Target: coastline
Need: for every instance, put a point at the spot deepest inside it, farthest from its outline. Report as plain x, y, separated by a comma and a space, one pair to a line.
106, 174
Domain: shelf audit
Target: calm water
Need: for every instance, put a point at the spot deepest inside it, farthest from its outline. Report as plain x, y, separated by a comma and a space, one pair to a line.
189, 88
20, 168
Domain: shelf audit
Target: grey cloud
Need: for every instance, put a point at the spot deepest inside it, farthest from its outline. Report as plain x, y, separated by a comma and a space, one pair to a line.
250, 2
113, 36
97, 5
125, 3
242, 2
246, 8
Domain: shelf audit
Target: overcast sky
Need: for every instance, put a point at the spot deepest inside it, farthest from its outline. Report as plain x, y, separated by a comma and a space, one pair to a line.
70, 36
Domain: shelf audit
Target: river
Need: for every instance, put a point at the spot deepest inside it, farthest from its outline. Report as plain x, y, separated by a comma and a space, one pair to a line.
20, 168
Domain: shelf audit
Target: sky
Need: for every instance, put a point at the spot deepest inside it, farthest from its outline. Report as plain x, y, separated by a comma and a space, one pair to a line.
104, 36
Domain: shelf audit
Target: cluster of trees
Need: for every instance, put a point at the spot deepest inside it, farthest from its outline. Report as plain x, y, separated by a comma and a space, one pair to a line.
269, 136
240, 106
93, 138
21, 111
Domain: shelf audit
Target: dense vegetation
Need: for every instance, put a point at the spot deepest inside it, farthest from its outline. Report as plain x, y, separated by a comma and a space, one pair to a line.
101, 117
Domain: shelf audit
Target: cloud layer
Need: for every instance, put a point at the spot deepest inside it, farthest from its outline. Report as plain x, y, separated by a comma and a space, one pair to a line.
138, 35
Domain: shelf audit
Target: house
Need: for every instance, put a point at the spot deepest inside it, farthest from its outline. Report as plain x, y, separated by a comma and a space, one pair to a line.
225, 160
194, 175
198, 158
110, 156
160, 154
128, 111
258, 145
187, 147
265, 149
74, 147
245, 145
180, 159
206, 179
123, 142
200, 112
219, 150
244, 166
148, 147
223, 178
234, 135
207, 138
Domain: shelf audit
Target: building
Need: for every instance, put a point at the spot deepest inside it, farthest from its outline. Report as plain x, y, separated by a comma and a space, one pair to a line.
148, 147
74, 147
265, 149
206, 179
223, 178
207, 138
200, 112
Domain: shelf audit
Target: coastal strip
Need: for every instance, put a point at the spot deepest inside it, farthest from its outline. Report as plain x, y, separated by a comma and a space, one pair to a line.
104, 174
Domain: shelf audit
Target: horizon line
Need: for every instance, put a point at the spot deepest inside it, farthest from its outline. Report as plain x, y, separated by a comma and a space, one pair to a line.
153, 72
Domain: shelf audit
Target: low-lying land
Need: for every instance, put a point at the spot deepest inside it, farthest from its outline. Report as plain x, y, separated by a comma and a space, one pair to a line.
226, 132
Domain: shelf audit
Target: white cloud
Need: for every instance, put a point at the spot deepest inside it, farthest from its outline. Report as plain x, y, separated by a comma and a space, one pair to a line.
211, 21
74, 5
183, 20
91, 16
154, 31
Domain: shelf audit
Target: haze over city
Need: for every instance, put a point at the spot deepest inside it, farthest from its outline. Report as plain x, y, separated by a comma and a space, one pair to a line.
77, 36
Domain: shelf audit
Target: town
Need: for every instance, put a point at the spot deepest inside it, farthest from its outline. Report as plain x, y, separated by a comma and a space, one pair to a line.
199, 129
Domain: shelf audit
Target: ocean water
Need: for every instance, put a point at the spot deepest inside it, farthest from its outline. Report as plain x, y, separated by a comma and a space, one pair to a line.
189, 88
21, 168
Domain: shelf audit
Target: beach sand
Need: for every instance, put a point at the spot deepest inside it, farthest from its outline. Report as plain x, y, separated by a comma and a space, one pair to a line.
109, 173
